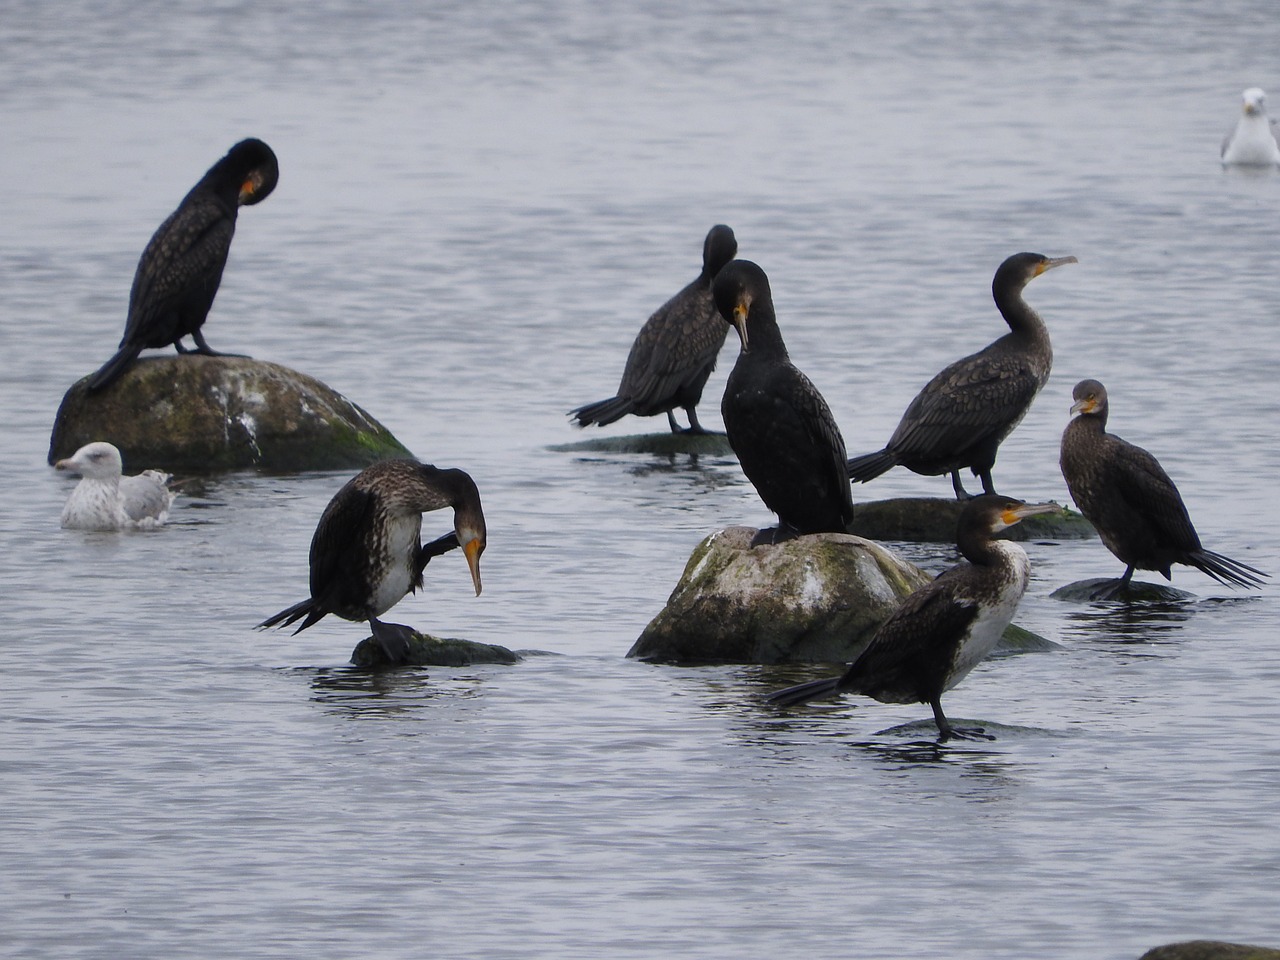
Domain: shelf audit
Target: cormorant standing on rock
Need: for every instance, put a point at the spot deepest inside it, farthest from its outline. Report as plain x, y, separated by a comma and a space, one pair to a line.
366, 553
947, 627
675, 351
777, 422
1124, 492
964, 413
105, 499
1252, 142
179, 272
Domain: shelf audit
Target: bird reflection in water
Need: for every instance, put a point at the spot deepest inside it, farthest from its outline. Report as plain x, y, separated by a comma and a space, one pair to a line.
384, 694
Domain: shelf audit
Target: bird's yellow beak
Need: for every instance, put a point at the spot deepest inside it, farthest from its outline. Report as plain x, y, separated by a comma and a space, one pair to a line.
472, 549
1023, 510
1084, 405
740, 320
1055, 262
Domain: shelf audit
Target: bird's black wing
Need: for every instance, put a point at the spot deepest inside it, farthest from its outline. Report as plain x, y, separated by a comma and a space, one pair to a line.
680, 340
1142, 484
339, 535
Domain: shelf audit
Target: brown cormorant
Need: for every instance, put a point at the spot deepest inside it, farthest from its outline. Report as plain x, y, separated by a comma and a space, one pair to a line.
947, 627
963, 414
179, 272
366, 553
675, 351
1125, 493
777, 422
105, 499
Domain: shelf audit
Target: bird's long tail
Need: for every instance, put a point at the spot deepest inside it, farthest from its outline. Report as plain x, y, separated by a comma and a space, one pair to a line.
110, 370
307, 608
601, 412
1225, 570
870, 465
804, 692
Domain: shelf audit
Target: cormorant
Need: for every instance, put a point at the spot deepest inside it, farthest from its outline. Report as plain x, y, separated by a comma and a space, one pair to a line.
1125, 493
1252, 143
104, 499
675, 351
179, 272
777, 422
947, 627
964, 413
366, 553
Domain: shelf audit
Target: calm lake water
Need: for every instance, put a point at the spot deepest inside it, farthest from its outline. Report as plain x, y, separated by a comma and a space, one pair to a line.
479, 205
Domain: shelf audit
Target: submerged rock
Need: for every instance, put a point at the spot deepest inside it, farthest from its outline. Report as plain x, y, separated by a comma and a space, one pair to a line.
1210, 950
934, 519
428, 651
1138, 591
663, 444
194, 413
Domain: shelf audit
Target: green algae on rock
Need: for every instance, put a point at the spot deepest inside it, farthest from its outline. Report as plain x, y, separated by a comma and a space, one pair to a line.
200, 414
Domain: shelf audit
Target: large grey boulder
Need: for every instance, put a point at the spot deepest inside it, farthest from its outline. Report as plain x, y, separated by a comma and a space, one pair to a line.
194, 413
1210, 950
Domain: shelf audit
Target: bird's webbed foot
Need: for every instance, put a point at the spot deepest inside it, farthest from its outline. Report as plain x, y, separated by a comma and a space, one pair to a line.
695, 429
958, 486
962, 733
204, 349
393, 638
773, 535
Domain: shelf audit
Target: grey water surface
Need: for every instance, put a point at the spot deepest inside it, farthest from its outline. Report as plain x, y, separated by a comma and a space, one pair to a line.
479, 204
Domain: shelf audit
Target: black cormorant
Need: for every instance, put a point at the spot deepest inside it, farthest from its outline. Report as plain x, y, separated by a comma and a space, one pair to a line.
777, 422
179, 272
947, 627
366, 553
963, 414
675, 351
1125, 493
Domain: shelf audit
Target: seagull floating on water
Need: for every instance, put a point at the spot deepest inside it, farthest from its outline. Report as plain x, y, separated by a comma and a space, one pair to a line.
105, 499
1253, 141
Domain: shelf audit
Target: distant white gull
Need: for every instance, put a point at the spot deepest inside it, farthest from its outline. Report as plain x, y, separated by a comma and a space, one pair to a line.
106, 500
1253, 142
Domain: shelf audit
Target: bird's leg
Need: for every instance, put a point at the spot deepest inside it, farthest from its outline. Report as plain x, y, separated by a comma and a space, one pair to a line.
437, 547
772, 535
206, 350
393, 638
695, 427
946, 731
987, 485
1115, 588
671, 421
958, 486
177, 345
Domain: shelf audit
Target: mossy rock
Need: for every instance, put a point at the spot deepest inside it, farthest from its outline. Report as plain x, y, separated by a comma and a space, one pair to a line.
1210, 950
661, 444
197, 414
1137, 592
934, 520
428, 651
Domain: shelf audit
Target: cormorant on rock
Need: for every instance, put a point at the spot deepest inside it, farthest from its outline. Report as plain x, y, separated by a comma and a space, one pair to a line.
947, 627
1125, 493
179, 272
777, 422
366, 553
104, 499
1252, 143
964, 413
675, 351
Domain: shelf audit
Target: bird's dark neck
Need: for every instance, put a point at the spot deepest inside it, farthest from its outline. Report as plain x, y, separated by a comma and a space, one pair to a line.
977, 546
1018, 314
764, 339
1093, 424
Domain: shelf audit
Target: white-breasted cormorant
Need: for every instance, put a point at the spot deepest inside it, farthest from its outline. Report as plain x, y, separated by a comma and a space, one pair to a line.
1124, 492
947, 627
105, 499
179, 272
675, 351
964, 413
777, 422
366, 554
1252, 142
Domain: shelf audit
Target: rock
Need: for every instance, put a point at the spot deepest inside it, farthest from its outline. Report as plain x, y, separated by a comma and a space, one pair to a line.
1210, 950
198, 414
662, 444
815, 598
428, 651
934, 519
1138, 592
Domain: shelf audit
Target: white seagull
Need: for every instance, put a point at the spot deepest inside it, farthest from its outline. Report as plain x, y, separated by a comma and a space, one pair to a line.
106, 500
1253, 141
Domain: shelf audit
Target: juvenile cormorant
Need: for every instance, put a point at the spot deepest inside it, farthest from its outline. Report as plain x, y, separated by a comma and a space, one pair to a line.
366, 553
104, 499
1252, 143
964, 413
1125, 493
947, 627
179, 272
675, 351
777, 422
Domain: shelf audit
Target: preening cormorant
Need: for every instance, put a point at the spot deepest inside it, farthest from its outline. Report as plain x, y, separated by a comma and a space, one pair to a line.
179, 272
1252, 142
675, 351
777, 422
1125, 493
366, 553
964, 413
105, 499
947, 627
